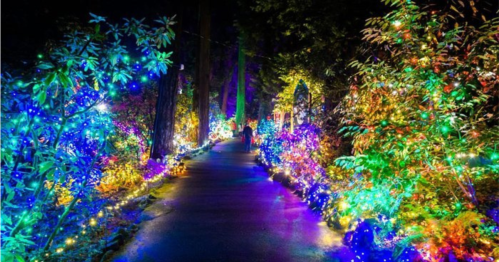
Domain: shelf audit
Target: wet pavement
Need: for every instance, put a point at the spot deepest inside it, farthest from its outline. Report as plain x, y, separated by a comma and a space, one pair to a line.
225, 208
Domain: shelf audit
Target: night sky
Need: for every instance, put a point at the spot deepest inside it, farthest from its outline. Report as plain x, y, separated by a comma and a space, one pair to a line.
29, 24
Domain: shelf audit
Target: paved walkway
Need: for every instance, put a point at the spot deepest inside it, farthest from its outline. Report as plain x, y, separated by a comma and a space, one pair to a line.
225, 208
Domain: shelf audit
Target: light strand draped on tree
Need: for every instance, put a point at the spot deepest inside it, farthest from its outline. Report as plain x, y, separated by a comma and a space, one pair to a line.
241, 83
425, 131
57, 127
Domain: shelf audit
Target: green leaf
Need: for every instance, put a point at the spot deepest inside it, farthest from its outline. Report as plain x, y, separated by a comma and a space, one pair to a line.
6, 257
19, 258
45, 66
65, 81
44, 166
6, 220
36, 87
42, 96
50, 174
37, 215
62, 178
10, 196
50, 78
96, 18
24, 239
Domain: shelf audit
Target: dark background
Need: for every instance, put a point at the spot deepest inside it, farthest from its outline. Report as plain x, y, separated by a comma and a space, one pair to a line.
28, 24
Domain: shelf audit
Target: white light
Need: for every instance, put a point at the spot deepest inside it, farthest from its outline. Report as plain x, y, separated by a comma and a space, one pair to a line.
102, 107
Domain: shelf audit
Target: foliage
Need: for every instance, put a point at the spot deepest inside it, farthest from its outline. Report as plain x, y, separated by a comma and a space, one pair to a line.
314, 37
186, 121
422, 112
220, 128
133, 119
265, 130
285, 98
296, 155
56, 129
253, 123
423, 117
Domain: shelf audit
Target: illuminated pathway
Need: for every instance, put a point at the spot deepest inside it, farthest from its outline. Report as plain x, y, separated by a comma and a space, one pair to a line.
226, 209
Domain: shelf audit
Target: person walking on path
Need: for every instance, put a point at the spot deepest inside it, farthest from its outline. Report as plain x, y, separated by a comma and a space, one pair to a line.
248, 135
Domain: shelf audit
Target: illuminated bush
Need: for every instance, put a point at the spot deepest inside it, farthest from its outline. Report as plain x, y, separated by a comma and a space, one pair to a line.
425, 132
186, 121
56, 129
423, 117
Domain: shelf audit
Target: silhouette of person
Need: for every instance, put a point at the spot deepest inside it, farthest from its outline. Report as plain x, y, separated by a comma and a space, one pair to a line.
248, 134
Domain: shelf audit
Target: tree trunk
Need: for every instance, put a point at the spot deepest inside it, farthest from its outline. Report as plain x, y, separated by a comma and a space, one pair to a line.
225, 95
282, 117
264, 108
241, 83
204, 72
166, 105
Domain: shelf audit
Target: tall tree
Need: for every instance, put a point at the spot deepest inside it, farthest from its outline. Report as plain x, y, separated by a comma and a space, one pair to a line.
241, 83
164, 122
204, 71
225, 91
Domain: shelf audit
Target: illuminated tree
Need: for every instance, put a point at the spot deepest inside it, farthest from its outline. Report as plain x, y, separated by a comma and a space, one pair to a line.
241, 83
423, 114
316, 37
56, 122
219, 126
186, 121
285, 99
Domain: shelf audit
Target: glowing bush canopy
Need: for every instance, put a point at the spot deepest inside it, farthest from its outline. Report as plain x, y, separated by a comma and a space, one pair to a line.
423, 180
56, 129
186, 121
425, 137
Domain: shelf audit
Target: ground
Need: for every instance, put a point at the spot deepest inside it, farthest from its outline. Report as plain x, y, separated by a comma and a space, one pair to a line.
225, 208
